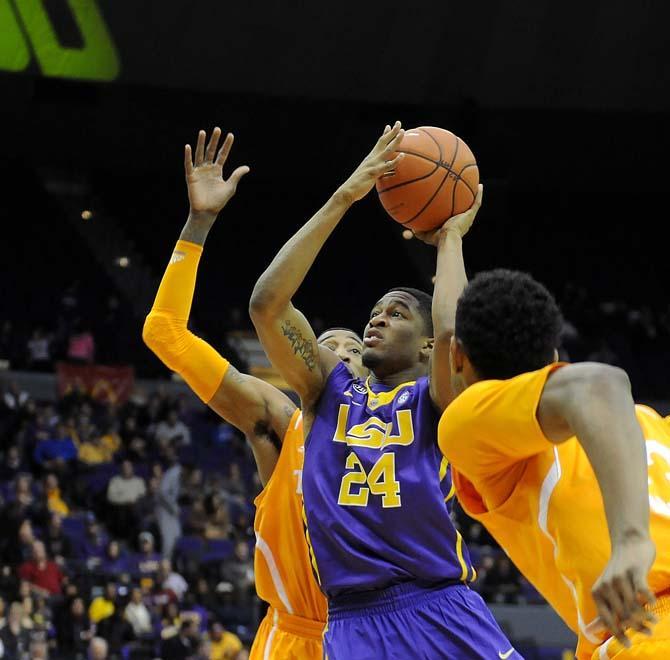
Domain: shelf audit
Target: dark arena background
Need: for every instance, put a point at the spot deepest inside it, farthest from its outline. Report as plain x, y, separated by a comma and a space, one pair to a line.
566, 107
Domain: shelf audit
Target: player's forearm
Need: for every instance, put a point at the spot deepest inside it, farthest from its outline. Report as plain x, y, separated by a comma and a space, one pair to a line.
165, 329
601, 413
282, 279
450, 281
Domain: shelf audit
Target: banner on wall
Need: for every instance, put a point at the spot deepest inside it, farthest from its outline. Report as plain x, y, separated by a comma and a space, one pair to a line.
104, 384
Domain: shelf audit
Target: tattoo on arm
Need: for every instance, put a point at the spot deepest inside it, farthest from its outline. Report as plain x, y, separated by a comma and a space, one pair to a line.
301, 346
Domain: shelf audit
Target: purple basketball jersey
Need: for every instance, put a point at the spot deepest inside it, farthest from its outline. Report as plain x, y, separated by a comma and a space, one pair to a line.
377, 490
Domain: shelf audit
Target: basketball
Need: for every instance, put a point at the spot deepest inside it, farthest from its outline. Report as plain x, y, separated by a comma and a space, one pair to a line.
437, 179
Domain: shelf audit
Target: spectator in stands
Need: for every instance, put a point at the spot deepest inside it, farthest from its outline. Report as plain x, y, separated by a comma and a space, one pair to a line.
124, 491
73, 628
134, 443
20, 550
39, 649
12, 464
8, 344
58, 545
96, 449
172, 580
14, 636
147, 506
137, 614
205, 596
502, 584
14, 398
147, 561
98, 649
203, 650
172, 431
218, 521
197, 519
195, 609
103, 606
182, 645
55, 501
42, 573
81, 344
167, 508
114, 562
233, 486
225, 645
38, 350
94, 544
240, 574
193, 487
57, 451
115, 630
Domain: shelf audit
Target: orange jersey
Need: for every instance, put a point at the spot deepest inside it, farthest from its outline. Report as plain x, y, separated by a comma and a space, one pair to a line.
284, 577
540, 500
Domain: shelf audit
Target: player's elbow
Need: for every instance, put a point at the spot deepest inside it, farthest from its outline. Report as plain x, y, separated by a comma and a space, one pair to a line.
164, 336
605, 377
264, 303
592, 382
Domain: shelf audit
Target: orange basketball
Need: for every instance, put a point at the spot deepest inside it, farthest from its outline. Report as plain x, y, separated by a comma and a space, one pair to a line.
437, 178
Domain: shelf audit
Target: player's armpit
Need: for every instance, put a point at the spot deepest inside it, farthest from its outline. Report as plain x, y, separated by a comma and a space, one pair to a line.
259, 410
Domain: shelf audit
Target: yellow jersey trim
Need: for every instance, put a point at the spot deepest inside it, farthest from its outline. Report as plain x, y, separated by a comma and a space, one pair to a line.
383, 398
443, 468
309, 545
461, 559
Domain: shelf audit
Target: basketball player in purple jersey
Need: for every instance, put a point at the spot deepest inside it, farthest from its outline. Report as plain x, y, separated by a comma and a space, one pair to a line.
377, 493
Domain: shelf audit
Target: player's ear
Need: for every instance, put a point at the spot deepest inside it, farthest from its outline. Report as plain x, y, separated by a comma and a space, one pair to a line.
427, 348
456, 355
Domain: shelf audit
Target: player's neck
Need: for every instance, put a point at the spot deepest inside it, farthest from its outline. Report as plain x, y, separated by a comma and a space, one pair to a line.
398, 377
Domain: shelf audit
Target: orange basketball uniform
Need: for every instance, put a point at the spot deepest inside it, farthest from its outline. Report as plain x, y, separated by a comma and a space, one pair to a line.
542, 503
293, 627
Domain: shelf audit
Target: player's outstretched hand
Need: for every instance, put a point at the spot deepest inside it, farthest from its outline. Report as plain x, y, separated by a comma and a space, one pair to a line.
621, 592
460, 223
208, 191
379, 162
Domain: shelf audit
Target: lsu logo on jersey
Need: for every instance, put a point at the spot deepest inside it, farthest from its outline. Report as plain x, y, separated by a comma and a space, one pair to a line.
374, 432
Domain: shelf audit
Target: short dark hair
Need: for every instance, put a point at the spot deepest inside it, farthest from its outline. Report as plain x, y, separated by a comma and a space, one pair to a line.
336, 328
508, 324
425, 301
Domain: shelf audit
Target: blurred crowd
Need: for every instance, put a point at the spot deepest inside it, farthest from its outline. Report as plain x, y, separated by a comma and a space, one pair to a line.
128, 531
634, 337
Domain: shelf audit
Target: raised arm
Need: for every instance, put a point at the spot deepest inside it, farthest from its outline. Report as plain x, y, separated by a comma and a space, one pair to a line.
450, 282
259, 410
594, 402
285, 333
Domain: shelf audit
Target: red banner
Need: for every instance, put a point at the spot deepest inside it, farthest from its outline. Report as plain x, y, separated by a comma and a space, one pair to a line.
105, 384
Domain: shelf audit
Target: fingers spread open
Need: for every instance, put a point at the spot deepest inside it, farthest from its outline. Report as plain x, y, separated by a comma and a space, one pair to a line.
212, 145
188, 160
225, 149
200, 148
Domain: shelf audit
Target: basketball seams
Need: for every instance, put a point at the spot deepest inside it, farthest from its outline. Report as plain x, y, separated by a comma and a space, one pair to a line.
447, 167
429, 202
420, 178
437, 164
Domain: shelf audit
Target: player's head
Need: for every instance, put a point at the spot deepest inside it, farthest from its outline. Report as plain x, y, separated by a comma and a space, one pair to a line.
507, 324
347, 345
399, 334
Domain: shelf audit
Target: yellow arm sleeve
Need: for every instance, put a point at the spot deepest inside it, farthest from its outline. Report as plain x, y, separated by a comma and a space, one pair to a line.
165, 331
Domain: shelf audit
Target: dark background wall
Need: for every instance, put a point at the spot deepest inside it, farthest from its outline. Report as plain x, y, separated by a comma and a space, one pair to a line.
565, 106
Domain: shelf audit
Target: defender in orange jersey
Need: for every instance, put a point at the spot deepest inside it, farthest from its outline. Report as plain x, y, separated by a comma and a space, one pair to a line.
561, 467
296, 617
